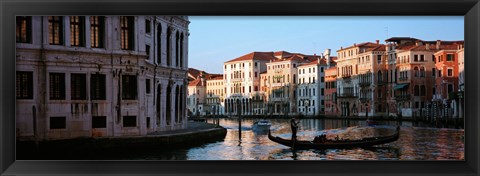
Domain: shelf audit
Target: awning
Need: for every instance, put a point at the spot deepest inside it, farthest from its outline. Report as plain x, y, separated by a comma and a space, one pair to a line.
400, 86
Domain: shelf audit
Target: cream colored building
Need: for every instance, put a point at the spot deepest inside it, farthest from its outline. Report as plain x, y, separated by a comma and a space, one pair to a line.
372, 87
197, 92
281, 84
311, 86
215, 95
347, 77
242, 81
88, 76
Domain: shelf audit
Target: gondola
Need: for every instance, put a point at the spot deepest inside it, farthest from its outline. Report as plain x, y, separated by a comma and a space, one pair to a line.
338, 144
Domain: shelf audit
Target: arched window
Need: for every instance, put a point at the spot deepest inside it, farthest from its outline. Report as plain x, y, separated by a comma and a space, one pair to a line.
177, 49
159, 43
422, 90
415, 71
416, 93
422, 72
379, 76
182, 43
169, 46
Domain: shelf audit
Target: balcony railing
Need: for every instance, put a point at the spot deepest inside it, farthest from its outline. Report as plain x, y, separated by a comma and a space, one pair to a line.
237, 79
364, 100
346, 95
278, 84
364, 84
402, 97
278, 99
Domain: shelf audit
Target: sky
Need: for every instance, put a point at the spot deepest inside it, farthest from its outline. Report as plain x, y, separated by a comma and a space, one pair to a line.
214, 40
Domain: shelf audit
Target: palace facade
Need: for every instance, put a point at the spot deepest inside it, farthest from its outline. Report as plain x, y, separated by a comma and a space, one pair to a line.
100, 76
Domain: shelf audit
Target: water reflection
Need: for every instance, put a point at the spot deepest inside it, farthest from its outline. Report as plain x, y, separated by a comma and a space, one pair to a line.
415, 143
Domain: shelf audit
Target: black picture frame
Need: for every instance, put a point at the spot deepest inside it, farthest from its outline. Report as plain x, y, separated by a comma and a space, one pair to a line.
470, 9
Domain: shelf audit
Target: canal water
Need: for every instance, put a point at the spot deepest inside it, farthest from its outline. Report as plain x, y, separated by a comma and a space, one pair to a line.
416, 142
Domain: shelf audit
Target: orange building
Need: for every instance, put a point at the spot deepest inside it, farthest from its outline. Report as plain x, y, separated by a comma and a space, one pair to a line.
349, 75
331, 108
412, 74
447, 74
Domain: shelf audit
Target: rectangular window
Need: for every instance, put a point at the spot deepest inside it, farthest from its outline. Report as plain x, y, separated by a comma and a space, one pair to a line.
129, 121
24, 85
99, 122
23, 29
255, 74
255, 65
97, 87
58, 122
55, 30
256, 88
450, 57
322, 92
322, 79
379, 59
433, 72
129, 87
433, 58
415, 58
147, 51
96, 31
126, 35
148, 122
77, 30
78, 83
422, 58
449, 72
148, 26
57, 86
450, 88
147, 86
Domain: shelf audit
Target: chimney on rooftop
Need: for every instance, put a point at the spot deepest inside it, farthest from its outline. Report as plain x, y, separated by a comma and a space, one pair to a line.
427, 46
418, 43
439, 42
354, 44
327, 55
377, 41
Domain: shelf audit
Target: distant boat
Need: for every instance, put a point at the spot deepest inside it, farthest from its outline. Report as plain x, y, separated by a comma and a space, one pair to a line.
262, 125
336, 144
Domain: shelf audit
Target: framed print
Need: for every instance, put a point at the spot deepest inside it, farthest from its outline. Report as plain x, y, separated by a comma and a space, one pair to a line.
213, 87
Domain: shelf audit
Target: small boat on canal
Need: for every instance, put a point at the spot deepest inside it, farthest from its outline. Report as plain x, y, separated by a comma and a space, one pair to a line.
324, 143
261, 125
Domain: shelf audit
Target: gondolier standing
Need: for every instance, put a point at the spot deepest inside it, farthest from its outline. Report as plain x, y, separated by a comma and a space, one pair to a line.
294, 126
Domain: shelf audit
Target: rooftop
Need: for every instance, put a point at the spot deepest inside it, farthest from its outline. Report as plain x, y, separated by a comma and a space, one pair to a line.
254, 56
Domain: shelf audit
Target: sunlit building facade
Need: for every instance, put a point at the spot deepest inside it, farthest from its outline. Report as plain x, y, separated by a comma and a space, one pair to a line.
242, 81
91, 76
311, 85
348, 87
